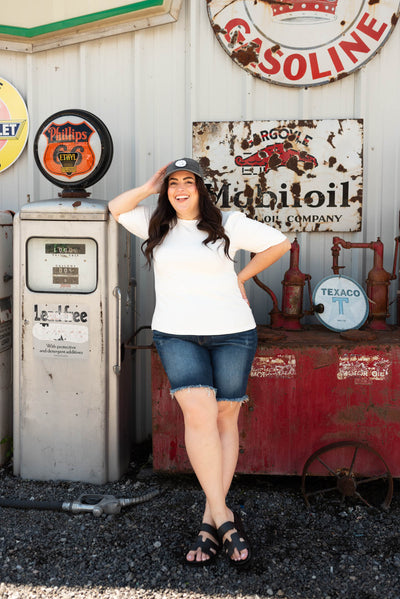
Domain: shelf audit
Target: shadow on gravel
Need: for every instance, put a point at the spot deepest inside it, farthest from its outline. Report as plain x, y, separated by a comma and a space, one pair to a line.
334, 549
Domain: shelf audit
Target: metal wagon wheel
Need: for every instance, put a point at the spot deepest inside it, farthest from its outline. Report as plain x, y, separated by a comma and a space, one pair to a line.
347, 479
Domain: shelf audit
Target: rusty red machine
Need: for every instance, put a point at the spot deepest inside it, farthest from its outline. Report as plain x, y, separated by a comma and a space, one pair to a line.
322, 405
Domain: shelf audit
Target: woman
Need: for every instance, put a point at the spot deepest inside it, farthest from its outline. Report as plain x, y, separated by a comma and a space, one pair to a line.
203, 328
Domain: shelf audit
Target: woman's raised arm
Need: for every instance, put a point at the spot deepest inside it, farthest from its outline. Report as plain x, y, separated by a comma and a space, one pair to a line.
128, 200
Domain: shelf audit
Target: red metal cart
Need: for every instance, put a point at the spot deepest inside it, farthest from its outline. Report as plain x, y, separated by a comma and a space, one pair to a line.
320, 402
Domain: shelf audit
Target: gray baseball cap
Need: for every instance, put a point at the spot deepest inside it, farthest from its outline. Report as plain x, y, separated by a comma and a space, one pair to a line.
184, 164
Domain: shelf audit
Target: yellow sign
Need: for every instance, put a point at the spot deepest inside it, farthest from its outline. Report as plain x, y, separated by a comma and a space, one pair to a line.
14, 124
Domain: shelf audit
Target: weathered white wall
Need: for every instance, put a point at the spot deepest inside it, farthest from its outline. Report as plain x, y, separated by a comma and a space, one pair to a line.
149, 86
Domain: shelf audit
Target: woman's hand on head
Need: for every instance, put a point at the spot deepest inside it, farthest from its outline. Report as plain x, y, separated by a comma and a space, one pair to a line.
155, 182
128, 200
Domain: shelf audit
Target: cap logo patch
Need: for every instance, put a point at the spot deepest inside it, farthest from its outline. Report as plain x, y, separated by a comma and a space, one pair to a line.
180, 163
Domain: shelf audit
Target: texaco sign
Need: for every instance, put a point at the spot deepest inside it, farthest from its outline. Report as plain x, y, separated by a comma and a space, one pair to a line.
292, 175
302, 43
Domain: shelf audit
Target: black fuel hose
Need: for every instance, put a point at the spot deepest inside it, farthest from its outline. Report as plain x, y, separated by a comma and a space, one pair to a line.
97, 504
26, 504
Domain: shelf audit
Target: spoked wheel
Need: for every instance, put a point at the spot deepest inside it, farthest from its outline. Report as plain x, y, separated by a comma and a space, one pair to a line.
338, 467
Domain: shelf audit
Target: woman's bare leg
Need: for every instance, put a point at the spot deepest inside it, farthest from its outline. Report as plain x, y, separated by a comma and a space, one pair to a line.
211, 439
228, 413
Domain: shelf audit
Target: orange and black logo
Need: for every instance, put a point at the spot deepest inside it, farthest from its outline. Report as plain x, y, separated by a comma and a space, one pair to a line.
73, 149
68, 150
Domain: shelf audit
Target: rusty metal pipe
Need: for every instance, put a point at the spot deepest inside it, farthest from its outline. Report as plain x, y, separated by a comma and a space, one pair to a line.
275, 312
378, 280
294, 280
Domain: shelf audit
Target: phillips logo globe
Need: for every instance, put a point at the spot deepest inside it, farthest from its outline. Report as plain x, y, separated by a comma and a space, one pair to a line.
68, 151
73, 149
302, 43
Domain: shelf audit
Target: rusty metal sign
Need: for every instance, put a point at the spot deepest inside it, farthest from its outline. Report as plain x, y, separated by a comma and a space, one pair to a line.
293, 175
302, 43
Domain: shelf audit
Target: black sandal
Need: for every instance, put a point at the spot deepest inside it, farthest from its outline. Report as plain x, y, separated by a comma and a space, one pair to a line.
207, 546
239, 541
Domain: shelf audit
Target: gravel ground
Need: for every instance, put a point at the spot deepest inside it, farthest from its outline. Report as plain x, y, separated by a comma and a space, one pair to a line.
333, 549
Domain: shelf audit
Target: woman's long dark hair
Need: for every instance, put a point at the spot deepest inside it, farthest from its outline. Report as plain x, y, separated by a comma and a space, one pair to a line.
164, 217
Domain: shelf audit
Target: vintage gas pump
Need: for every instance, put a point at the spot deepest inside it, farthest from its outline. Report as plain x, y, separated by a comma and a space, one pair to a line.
6, 229
72, 401
378, 280
294, 280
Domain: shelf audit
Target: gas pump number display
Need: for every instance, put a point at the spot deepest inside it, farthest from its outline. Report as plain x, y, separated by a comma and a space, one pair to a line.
61, 265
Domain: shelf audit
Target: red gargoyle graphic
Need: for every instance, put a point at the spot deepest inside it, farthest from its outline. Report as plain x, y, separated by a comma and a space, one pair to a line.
275, 155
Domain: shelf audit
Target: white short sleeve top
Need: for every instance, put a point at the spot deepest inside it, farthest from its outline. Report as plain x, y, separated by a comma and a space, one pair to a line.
196, 285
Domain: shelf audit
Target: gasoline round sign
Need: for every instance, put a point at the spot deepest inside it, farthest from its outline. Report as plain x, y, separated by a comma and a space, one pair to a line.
14, 124
342, 301
73, 149
302, 43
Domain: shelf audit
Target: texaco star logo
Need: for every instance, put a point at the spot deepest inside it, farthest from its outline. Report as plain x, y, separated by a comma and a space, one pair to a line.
302, 43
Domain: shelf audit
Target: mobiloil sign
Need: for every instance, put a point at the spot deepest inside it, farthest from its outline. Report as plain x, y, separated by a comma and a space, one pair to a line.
72, 413
297, 175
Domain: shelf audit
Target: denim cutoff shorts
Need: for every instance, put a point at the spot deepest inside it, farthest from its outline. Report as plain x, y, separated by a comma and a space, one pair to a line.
218, 362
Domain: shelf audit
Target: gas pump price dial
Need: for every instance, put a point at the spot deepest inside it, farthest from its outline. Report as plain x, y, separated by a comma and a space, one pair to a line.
65, 248
59, 264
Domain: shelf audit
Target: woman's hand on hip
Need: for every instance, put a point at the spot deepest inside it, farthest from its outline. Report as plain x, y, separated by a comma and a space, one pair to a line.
243, 290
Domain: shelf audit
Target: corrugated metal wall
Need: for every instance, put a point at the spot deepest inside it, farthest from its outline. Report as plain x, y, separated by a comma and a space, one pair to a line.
150, 85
